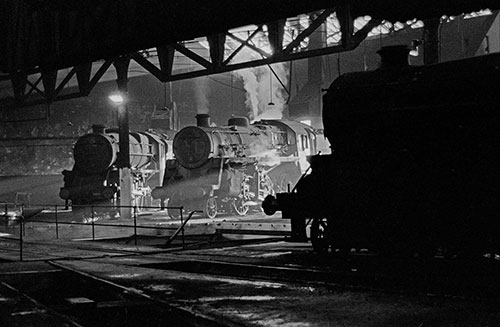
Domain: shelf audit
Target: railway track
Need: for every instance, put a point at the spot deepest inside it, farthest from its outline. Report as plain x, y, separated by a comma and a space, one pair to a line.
254, 283
436, 277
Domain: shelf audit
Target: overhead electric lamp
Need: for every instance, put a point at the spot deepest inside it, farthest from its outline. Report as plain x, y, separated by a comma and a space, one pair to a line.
117, 98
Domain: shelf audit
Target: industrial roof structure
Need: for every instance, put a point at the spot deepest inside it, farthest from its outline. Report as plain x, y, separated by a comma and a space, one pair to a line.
51, 42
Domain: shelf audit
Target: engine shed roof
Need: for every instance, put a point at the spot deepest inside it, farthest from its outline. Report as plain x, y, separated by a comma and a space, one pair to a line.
63, 33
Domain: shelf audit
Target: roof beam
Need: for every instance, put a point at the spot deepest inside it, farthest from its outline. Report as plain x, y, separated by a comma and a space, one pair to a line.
222, 53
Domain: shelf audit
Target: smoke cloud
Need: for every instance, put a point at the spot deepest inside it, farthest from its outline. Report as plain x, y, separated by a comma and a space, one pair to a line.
201, 91
266, 153
265, 97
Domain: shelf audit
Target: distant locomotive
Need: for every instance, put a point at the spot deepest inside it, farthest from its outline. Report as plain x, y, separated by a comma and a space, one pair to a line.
230, 168
415, 163
95, 178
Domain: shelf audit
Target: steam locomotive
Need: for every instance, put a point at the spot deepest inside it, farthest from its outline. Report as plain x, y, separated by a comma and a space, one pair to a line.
414, 169
234, 167
95, 178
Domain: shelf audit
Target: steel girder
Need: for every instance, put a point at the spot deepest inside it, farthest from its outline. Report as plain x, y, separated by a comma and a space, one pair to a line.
219, 57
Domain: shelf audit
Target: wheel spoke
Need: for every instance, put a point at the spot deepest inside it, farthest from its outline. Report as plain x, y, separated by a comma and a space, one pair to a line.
211, 207
239, 207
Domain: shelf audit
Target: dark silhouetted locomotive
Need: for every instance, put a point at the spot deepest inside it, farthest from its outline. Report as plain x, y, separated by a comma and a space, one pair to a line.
95, 178
415, 161
231, 168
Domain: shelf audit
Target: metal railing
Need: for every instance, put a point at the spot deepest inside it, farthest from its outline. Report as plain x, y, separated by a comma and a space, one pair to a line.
15, 214
181, 228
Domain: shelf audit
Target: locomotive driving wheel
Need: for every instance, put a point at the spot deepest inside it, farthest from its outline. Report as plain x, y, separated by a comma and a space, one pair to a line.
210, 207
320, 235
239, 206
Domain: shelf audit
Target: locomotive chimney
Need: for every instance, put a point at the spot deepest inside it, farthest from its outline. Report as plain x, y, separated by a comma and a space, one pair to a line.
203, 120
98, 129
394, 56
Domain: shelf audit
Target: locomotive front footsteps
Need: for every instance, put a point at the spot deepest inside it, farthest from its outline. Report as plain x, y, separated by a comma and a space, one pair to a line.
233, 168
414, 169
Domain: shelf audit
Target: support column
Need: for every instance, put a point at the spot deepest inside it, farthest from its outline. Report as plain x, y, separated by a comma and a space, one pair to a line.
431, 41
125, 193
124, 163
121, 65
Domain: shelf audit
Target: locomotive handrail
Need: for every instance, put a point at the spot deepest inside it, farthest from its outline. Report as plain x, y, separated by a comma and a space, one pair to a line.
212, 140
302, 176
219, 179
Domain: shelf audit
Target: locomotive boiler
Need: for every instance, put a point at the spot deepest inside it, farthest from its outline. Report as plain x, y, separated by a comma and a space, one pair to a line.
233, 167
95, 179
414, 168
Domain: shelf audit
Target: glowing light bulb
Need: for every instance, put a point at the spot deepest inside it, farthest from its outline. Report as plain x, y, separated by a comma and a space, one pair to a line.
117, 98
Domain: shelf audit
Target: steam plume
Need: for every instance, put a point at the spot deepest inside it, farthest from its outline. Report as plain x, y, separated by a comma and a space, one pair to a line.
265, 96
201, 90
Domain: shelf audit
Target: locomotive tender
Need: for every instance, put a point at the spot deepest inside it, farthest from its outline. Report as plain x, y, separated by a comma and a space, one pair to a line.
95, 178
415, 161
230, 168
